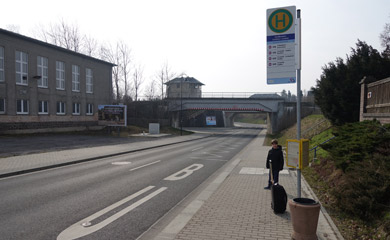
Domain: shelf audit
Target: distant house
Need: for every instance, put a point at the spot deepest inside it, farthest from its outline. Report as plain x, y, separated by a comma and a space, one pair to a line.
43, 86
375, 100
185, 87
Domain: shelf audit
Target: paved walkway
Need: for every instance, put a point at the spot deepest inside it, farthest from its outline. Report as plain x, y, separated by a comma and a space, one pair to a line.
233, 205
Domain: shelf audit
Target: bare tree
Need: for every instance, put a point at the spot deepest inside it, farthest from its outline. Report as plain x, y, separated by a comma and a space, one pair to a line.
164, 75
63, 34
90, 46
13, 28
125, 66
137, 80
110, 54
385, 39
150, 91
121, 56
67, 36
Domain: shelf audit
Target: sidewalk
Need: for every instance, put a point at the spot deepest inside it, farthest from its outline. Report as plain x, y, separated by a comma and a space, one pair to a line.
231, 205
235, 205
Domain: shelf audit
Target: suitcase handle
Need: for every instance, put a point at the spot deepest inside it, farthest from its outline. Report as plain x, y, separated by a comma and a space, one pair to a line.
272, 176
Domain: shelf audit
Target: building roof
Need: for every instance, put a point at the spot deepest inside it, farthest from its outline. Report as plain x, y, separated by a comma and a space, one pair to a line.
184, 79
45, 44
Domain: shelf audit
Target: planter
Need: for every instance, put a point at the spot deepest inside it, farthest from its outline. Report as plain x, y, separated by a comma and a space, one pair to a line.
304, 217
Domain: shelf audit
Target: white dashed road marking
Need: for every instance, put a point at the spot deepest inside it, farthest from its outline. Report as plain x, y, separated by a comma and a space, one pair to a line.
85, 227
145, 165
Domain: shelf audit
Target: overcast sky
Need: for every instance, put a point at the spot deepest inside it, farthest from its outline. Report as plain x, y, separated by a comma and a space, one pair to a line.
222, 43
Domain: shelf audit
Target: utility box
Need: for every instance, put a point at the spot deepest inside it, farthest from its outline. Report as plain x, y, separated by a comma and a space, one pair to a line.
154, 128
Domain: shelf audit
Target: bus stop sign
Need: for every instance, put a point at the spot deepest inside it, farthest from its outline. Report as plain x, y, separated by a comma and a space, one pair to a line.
281, 59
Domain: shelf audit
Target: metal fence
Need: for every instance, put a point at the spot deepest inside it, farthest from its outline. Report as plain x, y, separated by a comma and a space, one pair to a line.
239, 94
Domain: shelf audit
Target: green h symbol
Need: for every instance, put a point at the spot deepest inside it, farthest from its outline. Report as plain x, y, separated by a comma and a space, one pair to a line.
282, 20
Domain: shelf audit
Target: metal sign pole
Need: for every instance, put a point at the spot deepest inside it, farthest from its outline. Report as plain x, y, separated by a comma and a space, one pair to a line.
299, 97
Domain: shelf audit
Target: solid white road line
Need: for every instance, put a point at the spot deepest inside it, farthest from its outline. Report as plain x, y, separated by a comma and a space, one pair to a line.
145, 165
84, 227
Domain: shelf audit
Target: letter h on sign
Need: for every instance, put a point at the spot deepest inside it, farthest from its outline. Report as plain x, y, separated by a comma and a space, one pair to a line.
277, 21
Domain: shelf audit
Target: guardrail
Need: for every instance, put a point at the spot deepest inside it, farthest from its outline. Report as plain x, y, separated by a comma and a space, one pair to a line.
315, 148
239, 94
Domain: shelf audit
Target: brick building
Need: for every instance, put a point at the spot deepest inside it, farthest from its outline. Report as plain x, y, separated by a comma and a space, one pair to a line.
44, 87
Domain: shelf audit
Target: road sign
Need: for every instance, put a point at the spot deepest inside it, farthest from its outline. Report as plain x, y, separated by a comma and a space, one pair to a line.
281, 60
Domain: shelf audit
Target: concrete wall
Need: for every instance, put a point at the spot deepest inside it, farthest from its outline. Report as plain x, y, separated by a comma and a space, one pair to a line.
286, 116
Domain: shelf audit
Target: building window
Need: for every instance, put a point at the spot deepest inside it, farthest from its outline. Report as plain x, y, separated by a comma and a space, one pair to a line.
2, 105
60, 75
75, 78
22, 106
43, 107
2, 78
89, 80
89, 110
21, 67
61, 108
43, 72
76, 109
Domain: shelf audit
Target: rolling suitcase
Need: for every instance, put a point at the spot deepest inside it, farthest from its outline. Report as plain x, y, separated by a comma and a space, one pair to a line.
279, 196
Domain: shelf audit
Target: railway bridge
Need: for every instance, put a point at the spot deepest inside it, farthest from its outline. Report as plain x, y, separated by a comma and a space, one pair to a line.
221, 110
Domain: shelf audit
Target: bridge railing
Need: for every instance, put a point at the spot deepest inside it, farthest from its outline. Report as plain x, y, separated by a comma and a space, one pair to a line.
237, 94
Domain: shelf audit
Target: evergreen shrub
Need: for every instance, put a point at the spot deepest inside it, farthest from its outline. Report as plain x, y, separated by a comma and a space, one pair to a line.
362, 151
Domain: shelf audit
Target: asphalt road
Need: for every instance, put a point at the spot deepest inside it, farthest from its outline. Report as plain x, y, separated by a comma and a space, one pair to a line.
35, 143
112, 198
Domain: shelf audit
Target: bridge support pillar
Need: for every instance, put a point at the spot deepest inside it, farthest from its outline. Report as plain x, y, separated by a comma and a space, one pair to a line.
176, 120
228, 119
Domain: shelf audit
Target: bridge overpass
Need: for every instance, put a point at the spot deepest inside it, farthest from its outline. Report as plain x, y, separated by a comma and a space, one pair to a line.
280, 113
